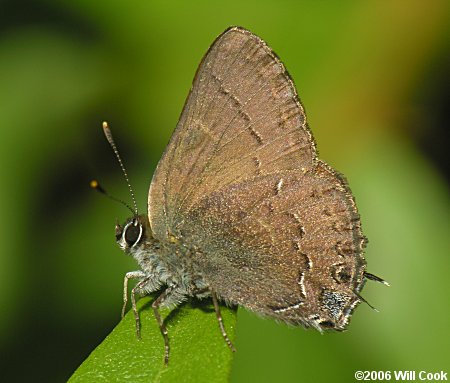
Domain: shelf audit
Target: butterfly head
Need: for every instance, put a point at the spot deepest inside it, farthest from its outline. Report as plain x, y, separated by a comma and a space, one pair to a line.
133, 233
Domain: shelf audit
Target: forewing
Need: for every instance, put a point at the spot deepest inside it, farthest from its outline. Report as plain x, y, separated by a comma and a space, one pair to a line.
242, 118
286, 244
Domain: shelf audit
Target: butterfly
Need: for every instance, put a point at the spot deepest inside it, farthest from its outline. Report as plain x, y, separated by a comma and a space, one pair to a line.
240, 208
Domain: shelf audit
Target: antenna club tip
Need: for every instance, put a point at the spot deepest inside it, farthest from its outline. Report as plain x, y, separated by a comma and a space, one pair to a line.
96, 186
105, 125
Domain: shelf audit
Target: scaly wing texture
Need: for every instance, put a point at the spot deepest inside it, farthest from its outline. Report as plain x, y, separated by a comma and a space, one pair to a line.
242, 117
270, 226
295, 236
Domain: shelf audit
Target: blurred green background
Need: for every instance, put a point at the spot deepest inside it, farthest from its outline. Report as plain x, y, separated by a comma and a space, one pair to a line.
373, 76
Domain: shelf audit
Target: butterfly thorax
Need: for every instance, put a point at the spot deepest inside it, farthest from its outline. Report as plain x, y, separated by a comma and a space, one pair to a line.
163, 263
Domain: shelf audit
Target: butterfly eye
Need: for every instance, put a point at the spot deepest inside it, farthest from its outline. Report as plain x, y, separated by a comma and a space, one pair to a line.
133, 234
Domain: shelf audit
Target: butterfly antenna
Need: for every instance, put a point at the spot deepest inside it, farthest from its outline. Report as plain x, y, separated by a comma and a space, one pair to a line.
110, 139
95, 185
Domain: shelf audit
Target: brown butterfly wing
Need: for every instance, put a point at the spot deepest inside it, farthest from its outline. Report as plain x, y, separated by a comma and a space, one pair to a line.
286, 244
242, 117
273, 228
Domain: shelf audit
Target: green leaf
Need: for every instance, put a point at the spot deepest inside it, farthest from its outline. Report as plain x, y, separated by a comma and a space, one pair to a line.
198, 352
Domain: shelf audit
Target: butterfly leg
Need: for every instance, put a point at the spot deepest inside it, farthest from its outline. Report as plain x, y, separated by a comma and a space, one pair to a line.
131, 275
134, 291
220, 320
156, 305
